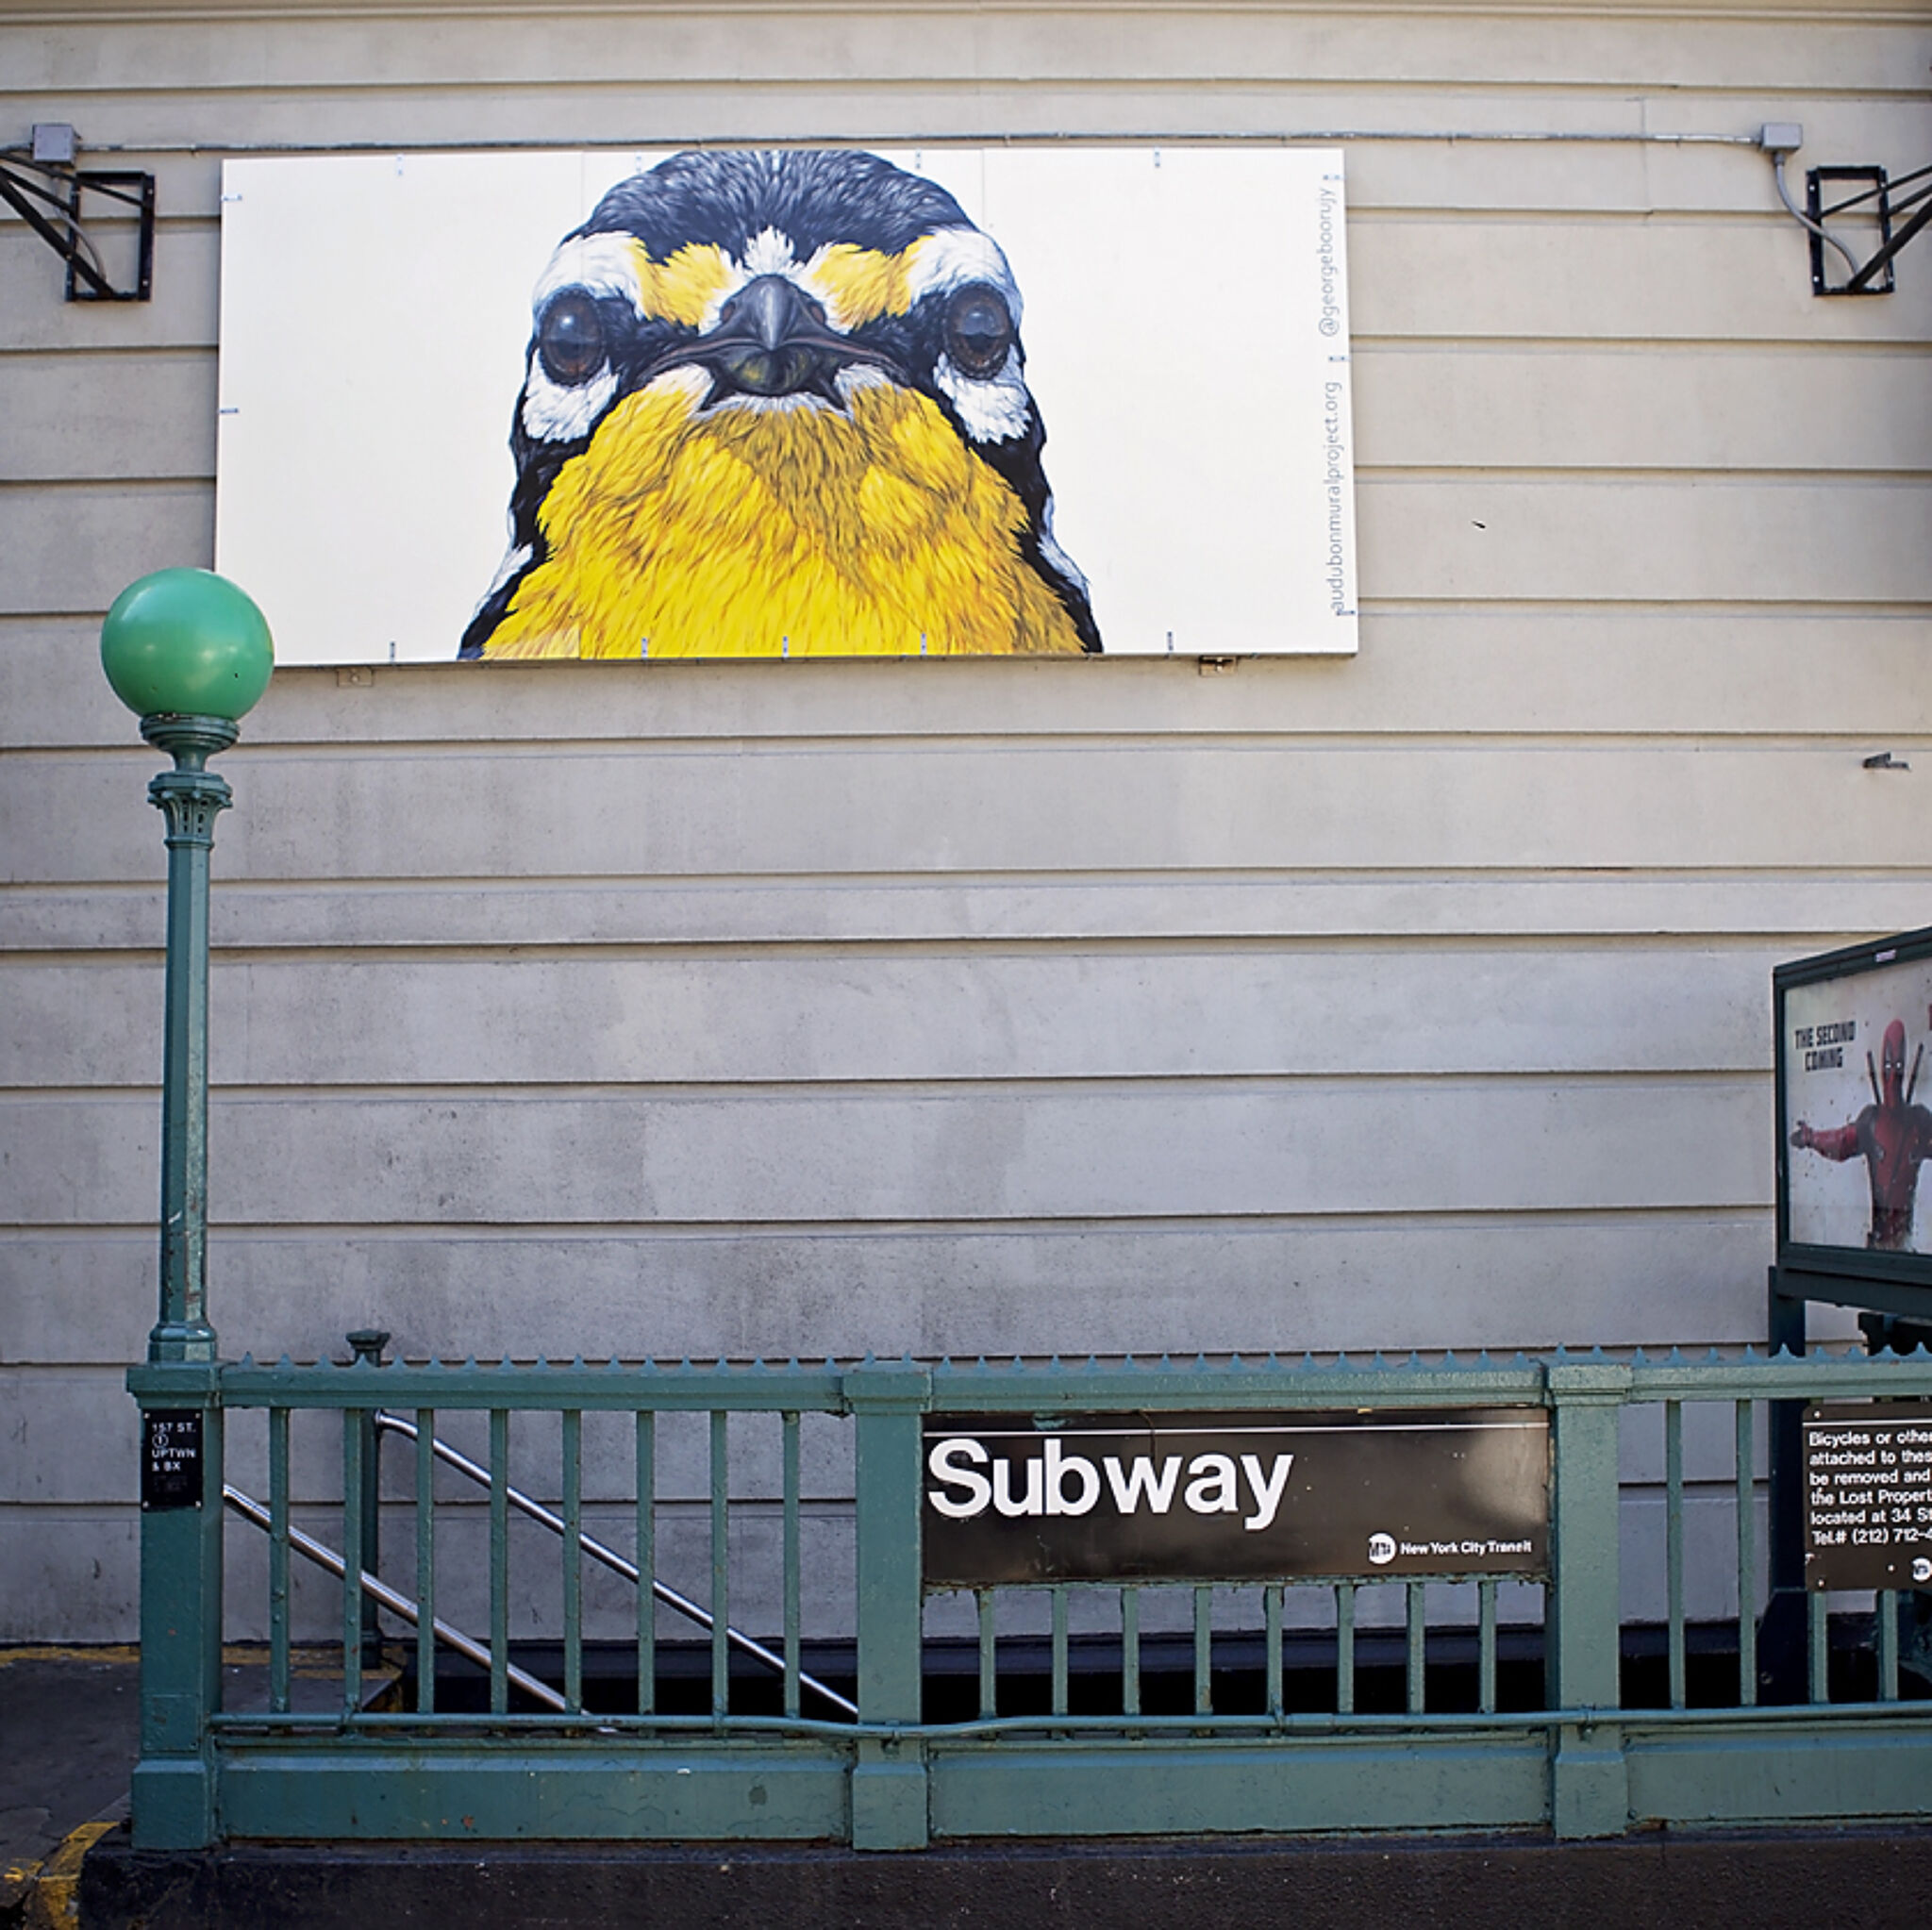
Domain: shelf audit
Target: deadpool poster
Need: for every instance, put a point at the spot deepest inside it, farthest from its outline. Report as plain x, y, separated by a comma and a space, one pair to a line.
1855, 1103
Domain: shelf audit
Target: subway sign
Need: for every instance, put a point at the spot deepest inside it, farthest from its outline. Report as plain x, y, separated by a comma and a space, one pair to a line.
1234, 1497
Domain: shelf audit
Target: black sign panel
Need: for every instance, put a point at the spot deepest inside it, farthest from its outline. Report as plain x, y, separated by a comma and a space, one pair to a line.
1236, 1497
1868, 1496
171, 1458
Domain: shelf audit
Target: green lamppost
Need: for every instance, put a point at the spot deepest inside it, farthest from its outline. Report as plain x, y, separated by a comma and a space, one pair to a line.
189, 654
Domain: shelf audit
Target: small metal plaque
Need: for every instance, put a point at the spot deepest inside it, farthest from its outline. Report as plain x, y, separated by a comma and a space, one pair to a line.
171, 1461
1236, 1496
1868, 1496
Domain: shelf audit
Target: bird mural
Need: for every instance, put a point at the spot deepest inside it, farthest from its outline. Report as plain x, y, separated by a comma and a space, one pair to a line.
775, 404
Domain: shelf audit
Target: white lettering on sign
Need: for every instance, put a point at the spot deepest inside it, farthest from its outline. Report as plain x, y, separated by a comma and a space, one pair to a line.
1064, 1484
1138, 1479
1868, 1496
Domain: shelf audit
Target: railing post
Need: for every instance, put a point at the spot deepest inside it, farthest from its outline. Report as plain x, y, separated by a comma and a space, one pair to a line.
889, 1792
174, 1783
1590, 1785
366, 1344
1782, 1634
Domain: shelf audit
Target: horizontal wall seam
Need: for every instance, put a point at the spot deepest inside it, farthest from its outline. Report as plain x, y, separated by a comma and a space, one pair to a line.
428, 10
1054, 136
1580, 473
285, 757
1698, 1215
965, 1087
1371, 607
598, 953
941, 86
1202, 878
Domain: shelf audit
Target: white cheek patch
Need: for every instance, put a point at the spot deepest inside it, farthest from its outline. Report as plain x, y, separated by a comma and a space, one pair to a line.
950, 258
598, 265
995, 410
553, 412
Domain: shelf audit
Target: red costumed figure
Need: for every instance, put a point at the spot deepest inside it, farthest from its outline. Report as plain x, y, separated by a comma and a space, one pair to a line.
1891, 1137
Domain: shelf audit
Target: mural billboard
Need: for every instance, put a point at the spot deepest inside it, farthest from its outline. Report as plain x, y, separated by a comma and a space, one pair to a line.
788, 403
1855, 1111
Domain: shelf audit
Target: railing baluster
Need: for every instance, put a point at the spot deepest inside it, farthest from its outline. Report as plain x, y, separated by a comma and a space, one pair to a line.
1344, 1648
1486, 1645
499, 1560
572, 1560
354, 1434
1270, 1634
647, 1561
278, 1560
425, 1561
1887, 1605
721, 1563
1131, 1650
1058, 1597
989, 1652
889, 1794
1817, 1646
1415, 1663
1674, 1543
793, 1620
1747, 1556
1204, 1652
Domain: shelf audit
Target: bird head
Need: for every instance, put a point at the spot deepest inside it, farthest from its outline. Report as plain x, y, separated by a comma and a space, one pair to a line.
776, 402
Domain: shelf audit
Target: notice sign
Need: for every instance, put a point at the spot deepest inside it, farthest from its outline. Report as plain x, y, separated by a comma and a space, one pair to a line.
1236, 1497
1868, 1496
171, 1459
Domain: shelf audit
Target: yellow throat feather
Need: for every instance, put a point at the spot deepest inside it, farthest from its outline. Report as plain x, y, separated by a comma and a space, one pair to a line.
756, 529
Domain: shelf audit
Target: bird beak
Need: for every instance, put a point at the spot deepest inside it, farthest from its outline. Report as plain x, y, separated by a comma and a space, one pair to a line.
771, 339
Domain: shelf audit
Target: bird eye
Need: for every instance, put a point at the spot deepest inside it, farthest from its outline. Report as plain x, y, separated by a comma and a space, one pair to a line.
980, 331
570, 338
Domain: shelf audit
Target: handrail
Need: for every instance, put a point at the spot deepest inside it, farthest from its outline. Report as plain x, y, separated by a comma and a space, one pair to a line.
618, 1564
379, 1590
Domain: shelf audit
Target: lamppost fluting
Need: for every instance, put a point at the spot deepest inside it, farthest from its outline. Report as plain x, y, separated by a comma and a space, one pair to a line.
189, 655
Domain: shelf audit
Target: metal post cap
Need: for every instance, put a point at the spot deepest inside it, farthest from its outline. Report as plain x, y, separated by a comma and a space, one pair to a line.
186, 643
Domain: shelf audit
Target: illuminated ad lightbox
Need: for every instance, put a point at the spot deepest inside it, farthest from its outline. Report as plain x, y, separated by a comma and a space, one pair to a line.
1854, 1120
788, 403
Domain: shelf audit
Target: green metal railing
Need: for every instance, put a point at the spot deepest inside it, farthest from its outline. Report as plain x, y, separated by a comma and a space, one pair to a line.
777, 1509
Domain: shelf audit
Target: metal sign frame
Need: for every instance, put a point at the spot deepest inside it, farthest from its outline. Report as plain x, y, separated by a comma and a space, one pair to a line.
1893, 1283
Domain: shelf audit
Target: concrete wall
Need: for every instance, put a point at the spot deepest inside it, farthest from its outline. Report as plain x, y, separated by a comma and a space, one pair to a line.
1415, 1000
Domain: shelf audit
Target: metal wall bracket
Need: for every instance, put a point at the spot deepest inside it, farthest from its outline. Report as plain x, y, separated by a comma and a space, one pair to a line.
1876, 199
57, 200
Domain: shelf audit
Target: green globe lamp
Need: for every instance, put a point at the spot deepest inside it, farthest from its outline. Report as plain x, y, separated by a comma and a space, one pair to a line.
189, 655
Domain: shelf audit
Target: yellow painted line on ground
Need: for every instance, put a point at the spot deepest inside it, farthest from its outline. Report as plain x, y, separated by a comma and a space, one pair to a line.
48, 1651
55, 1901
16, 1884
314, 1658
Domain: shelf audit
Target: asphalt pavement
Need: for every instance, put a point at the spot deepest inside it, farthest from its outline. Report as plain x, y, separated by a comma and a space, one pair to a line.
70, 1730
70, 1725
